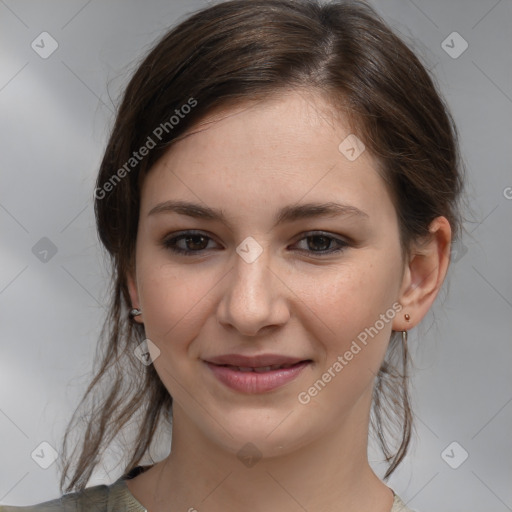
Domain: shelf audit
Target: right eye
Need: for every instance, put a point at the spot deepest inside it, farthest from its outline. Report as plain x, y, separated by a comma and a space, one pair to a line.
188, 243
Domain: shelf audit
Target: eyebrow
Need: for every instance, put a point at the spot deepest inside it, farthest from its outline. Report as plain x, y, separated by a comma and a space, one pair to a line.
287, 214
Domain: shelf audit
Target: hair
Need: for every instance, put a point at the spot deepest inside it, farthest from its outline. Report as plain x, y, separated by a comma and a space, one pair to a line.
232, 53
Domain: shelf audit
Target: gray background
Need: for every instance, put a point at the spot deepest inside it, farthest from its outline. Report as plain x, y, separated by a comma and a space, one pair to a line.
55, 115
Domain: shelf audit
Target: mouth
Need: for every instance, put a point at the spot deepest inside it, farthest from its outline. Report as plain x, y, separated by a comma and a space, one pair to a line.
253, 376
260, 369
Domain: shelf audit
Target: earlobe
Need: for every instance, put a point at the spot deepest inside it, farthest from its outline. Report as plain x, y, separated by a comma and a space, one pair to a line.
424, 274
135, 312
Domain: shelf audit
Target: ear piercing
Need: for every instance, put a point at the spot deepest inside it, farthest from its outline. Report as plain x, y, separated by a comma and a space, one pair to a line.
404, 333
135, 312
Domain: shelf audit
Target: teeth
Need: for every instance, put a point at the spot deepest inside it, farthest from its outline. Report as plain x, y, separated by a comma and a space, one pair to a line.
260, 369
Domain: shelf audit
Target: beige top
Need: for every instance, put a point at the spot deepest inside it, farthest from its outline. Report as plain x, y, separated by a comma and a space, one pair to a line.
113, 498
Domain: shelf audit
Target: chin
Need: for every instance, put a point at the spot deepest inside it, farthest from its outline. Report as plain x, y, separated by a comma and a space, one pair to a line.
251, 435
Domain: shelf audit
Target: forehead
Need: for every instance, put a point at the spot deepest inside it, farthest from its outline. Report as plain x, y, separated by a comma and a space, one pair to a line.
285, 119
289, 148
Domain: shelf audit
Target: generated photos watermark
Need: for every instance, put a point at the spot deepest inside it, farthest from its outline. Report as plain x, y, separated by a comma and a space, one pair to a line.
151, 142
343, 360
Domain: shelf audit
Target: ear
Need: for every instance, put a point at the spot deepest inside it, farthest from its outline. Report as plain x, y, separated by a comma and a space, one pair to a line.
424, 274
131, 282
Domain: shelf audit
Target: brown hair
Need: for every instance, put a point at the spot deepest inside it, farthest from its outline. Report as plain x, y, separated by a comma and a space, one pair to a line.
234, 52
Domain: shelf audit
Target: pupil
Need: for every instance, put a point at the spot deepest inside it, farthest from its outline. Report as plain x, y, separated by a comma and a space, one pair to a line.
195, 246
322, 246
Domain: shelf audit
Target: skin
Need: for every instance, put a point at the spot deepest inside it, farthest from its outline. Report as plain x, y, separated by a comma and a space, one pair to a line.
250, 162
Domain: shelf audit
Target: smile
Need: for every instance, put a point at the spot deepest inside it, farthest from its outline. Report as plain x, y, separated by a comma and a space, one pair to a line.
260, 379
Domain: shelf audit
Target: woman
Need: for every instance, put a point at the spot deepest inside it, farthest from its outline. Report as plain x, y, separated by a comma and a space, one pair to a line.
279, 196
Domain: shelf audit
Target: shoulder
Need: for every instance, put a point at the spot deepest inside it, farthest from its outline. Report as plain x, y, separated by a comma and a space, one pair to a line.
398, 505
89, 499
100, 498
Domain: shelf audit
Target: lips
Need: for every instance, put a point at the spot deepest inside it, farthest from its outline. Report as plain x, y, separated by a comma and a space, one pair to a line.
257, 374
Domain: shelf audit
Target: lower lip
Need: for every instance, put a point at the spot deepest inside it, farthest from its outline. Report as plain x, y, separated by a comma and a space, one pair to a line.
253, 382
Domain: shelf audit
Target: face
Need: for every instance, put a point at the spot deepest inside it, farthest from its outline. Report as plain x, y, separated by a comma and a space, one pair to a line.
260, 244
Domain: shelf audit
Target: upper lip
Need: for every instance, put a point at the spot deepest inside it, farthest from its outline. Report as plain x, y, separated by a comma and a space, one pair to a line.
254, 361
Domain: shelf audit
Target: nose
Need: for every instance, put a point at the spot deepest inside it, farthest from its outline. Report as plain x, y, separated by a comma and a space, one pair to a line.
254, 298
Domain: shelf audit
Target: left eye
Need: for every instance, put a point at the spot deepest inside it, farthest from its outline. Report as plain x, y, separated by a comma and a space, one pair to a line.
322, 244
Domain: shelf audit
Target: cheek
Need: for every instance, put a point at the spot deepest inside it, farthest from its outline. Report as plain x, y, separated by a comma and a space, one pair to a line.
174, 298
174, 303
351, 297
355, 302
353, 349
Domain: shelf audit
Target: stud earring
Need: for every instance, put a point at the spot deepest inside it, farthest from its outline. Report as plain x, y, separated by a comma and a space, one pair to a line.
135, 312
407, 317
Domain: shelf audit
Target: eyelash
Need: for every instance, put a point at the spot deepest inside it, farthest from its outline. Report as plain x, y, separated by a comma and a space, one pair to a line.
170, 243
